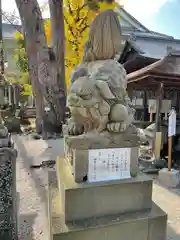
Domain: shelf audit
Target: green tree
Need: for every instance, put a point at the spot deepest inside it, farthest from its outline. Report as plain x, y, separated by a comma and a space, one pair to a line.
20, 56
47, 74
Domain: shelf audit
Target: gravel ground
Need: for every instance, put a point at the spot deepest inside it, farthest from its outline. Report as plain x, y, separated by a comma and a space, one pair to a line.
32, 188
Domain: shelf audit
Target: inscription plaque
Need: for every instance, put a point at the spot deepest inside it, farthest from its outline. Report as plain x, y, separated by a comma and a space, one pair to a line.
109, 164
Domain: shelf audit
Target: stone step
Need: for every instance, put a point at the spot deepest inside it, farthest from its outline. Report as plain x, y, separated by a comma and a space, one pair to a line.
144, 225
85, 200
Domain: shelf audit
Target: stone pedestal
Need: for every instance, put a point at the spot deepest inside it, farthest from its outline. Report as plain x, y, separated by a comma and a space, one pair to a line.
111, 209
169, 178
149, 223
85, 200
77, 149
8, 205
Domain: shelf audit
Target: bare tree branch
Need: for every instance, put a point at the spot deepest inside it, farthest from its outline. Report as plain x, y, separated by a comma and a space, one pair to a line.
7, 18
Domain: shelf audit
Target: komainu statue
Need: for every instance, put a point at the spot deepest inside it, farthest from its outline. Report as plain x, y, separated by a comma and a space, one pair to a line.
97, 98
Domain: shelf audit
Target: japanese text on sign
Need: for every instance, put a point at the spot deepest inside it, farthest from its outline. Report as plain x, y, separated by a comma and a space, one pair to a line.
109, 164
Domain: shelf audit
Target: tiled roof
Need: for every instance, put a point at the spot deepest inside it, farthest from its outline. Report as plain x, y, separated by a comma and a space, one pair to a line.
166, 66
155, 47
9, 30
149, 46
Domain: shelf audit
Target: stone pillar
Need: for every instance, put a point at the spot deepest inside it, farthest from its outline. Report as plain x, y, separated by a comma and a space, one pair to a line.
8, 206
1, 95
32, 101
6, 95
9, 95
14, 95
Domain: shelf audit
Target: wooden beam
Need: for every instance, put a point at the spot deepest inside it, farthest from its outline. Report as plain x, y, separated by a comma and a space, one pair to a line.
145, 103
138, 78
165, 76
158, 107
152, 87
147, 83
157, 77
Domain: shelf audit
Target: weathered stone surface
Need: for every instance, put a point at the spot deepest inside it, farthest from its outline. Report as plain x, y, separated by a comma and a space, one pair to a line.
169, 178
8, 210
103, 198
6, 221
139, 225
3, 131
7, 235
13, 124
79, 71
79, 164
5, 142
104, 140
49, 125
104, 44
68, 152
98, 100
79, 161
157, 226
101, 118
76, 149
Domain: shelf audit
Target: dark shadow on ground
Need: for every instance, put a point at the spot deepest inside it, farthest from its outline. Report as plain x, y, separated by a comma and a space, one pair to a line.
25, 227
22, 153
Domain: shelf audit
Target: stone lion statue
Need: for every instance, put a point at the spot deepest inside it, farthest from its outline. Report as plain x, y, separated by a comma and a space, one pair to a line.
97, 98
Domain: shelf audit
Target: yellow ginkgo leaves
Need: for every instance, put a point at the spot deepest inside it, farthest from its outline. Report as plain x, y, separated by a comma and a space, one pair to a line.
77, 20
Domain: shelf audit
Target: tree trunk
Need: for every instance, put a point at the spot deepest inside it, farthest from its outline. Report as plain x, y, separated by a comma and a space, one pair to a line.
38, 96
34, 32
58, 46
30, 42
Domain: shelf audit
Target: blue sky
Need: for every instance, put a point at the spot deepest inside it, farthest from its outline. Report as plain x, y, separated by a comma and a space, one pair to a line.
167, 20
157, 15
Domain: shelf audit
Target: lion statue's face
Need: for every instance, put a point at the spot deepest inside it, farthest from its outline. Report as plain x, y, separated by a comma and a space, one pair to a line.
85, 103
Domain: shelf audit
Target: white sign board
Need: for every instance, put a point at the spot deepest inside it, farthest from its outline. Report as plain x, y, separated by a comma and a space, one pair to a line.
152, 105
109, 164
137, 102
165, 108
172, 123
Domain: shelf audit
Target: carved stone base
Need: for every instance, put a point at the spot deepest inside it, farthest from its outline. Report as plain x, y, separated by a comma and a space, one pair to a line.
102, 198
95, 140
79, 163
77, 149
149, 224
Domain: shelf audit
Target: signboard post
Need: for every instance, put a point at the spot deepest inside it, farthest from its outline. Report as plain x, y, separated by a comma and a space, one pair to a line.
171, 132
151, 114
